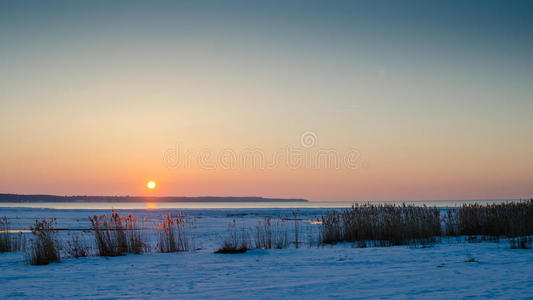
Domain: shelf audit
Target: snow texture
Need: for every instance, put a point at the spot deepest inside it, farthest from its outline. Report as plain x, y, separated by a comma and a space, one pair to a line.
340, 271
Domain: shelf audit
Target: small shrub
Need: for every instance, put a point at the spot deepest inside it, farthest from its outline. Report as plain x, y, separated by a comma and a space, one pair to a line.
174, 234
75, 247
44, 248
236, 241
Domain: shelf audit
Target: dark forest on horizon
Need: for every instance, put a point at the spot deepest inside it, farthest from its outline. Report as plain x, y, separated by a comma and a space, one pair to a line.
56, 198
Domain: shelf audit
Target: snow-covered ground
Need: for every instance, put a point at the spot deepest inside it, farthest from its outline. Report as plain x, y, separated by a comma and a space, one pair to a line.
340, 271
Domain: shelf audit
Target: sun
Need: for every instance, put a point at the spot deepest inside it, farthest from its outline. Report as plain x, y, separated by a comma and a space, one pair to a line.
151, 184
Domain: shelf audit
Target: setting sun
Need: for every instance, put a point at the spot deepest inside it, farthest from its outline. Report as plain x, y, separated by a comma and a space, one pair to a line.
151, 184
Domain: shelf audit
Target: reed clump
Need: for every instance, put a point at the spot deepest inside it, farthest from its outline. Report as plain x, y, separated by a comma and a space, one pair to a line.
236, 241
514, 219
382, 224
331, 228
117, 234
174, 233
44, 247
10, 242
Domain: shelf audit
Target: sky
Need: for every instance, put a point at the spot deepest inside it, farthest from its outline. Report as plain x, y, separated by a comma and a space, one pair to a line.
322, 100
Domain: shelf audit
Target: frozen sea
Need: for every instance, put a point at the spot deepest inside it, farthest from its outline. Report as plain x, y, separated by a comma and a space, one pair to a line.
440, 271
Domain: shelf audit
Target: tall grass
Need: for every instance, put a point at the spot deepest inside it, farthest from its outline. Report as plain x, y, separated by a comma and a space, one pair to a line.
271, 234
523, 242
236, 240
44, 245
513, 219
312, 234
382, 224
174, 233
451, 223
296, 229
331, 228
117, 234
10, 242
5, 238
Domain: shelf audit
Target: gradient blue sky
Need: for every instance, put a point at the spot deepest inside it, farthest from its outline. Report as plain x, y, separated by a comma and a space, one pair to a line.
436, 96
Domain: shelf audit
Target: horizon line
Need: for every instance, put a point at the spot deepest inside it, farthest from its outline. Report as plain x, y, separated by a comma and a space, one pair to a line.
260, 197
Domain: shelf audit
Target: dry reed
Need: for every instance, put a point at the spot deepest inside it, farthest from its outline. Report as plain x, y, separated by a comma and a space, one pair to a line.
174, 234
10, 242
236, 240
44, 245
271, 234
383, 224
514, 219
117, 234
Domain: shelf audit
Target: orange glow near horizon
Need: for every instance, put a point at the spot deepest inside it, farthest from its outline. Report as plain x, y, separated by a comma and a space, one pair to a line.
151, 205
343, 103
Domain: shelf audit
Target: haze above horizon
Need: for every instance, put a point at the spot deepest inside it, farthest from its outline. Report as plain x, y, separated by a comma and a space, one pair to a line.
343, 101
